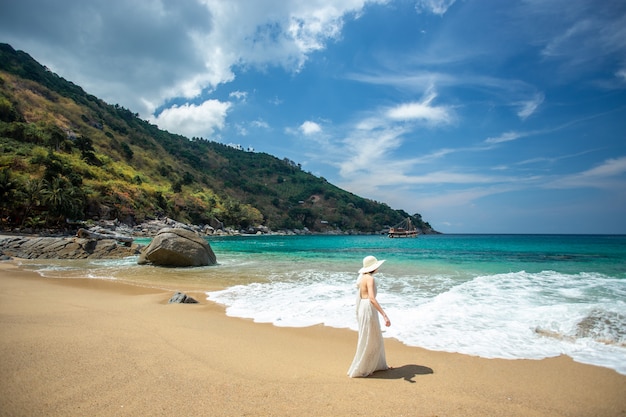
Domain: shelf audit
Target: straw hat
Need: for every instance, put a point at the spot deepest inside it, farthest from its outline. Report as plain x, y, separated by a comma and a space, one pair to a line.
370, 263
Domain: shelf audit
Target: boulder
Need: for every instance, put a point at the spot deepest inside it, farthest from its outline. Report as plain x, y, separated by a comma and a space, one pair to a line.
181, 298
178, 247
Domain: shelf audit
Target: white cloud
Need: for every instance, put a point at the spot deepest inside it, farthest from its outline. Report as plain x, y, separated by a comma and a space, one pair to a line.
565, 42
239, 95
605, 175
419, 111
273, 32
366, 159
438, 7
367, 151
423, 111
142, 53
505, 137
610, 167
310, 128
410, 81
191, 120
529, 107
586, 34
506, 92
259, 123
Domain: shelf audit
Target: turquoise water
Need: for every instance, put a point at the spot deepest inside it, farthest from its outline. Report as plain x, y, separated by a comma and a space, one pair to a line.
494, 296
465, 254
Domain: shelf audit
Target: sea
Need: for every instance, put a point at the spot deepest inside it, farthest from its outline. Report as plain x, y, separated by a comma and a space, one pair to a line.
492, 296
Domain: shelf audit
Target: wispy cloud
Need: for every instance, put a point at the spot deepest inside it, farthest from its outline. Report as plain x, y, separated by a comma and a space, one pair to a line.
454, 199
544, 159
261, 124
514, 93
422, 110
374, 137
513, 135
610, 174
239, 95
586, 33
367, 150
529, 107
505, 137
438, 7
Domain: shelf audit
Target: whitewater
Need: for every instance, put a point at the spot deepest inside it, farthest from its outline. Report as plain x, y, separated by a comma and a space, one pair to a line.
511, 297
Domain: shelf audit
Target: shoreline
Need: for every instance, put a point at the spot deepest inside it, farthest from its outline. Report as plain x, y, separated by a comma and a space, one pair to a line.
96, 347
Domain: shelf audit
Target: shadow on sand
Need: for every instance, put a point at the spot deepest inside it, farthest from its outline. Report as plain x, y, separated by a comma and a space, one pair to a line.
406, 372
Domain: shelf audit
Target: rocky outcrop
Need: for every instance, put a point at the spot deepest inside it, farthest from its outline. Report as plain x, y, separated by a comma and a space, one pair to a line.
103, 235
65, 248
178, 247
150, 228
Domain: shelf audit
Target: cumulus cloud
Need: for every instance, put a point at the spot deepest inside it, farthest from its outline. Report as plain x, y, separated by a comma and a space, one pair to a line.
142, 53
194, 120
310, 128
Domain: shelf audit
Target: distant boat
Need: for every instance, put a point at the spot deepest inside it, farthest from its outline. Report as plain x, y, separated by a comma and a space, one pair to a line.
403, 229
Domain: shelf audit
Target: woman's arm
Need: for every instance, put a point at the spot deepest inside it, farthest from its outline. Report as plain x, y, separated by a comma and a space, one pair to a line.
371, 295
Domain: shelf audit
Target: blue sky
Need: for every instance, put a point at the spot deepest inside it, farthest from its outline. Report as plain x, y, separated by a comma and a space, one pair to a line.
483, 116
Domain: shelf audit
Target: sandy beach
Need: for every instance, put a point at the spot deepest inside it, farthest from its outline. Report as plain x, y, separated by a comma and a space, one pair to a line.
88, 347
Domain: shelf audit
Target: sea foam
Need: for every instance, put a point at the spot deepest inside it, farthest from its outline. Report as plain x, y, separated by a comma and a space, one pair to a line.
517, 315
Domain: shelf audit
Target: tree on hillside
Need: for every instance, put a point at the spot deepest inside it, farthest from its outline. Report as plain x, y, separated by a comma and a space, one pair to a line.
62, 199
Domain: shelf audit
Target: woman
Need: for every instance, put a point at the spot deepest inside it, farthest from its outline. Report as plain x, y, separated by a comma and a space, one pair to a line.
370, 350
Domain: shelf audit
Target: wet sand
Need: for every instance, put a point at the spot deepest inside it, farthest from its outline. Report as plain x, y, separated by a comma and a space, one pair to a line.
90, 347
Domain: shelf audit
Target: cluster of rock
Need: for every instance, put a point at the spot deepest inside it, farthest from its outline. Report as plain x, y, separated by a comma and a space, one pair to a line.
32, 247
151, 227
118, 230
180, 245
173, 243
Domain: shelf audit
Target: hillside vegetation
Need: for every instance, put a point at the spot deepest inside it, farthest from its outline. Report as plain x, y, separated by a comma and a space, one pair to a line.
67, 155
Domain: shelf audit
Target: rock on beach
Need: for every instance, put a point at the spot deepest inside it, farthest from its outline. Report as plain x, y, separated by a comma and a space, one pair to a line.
65, 248
178, 247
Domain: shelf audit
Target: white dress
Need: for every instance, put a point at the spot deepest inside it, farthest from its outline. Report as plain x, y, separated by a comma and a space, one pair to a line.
370, 349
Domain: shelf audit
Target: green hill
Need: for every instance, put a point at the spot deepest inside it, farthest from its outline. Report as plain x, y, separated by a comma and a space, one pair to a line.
66, 154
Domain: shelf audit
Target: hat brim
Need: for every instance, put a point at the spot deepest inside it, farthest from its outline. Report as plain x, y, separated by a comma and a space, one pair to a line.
372, 267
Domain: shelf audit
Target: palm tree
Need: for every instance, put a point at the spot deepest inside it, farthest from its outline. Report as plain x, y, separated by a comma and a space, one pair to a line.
7, 189
33, 196
62, 199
